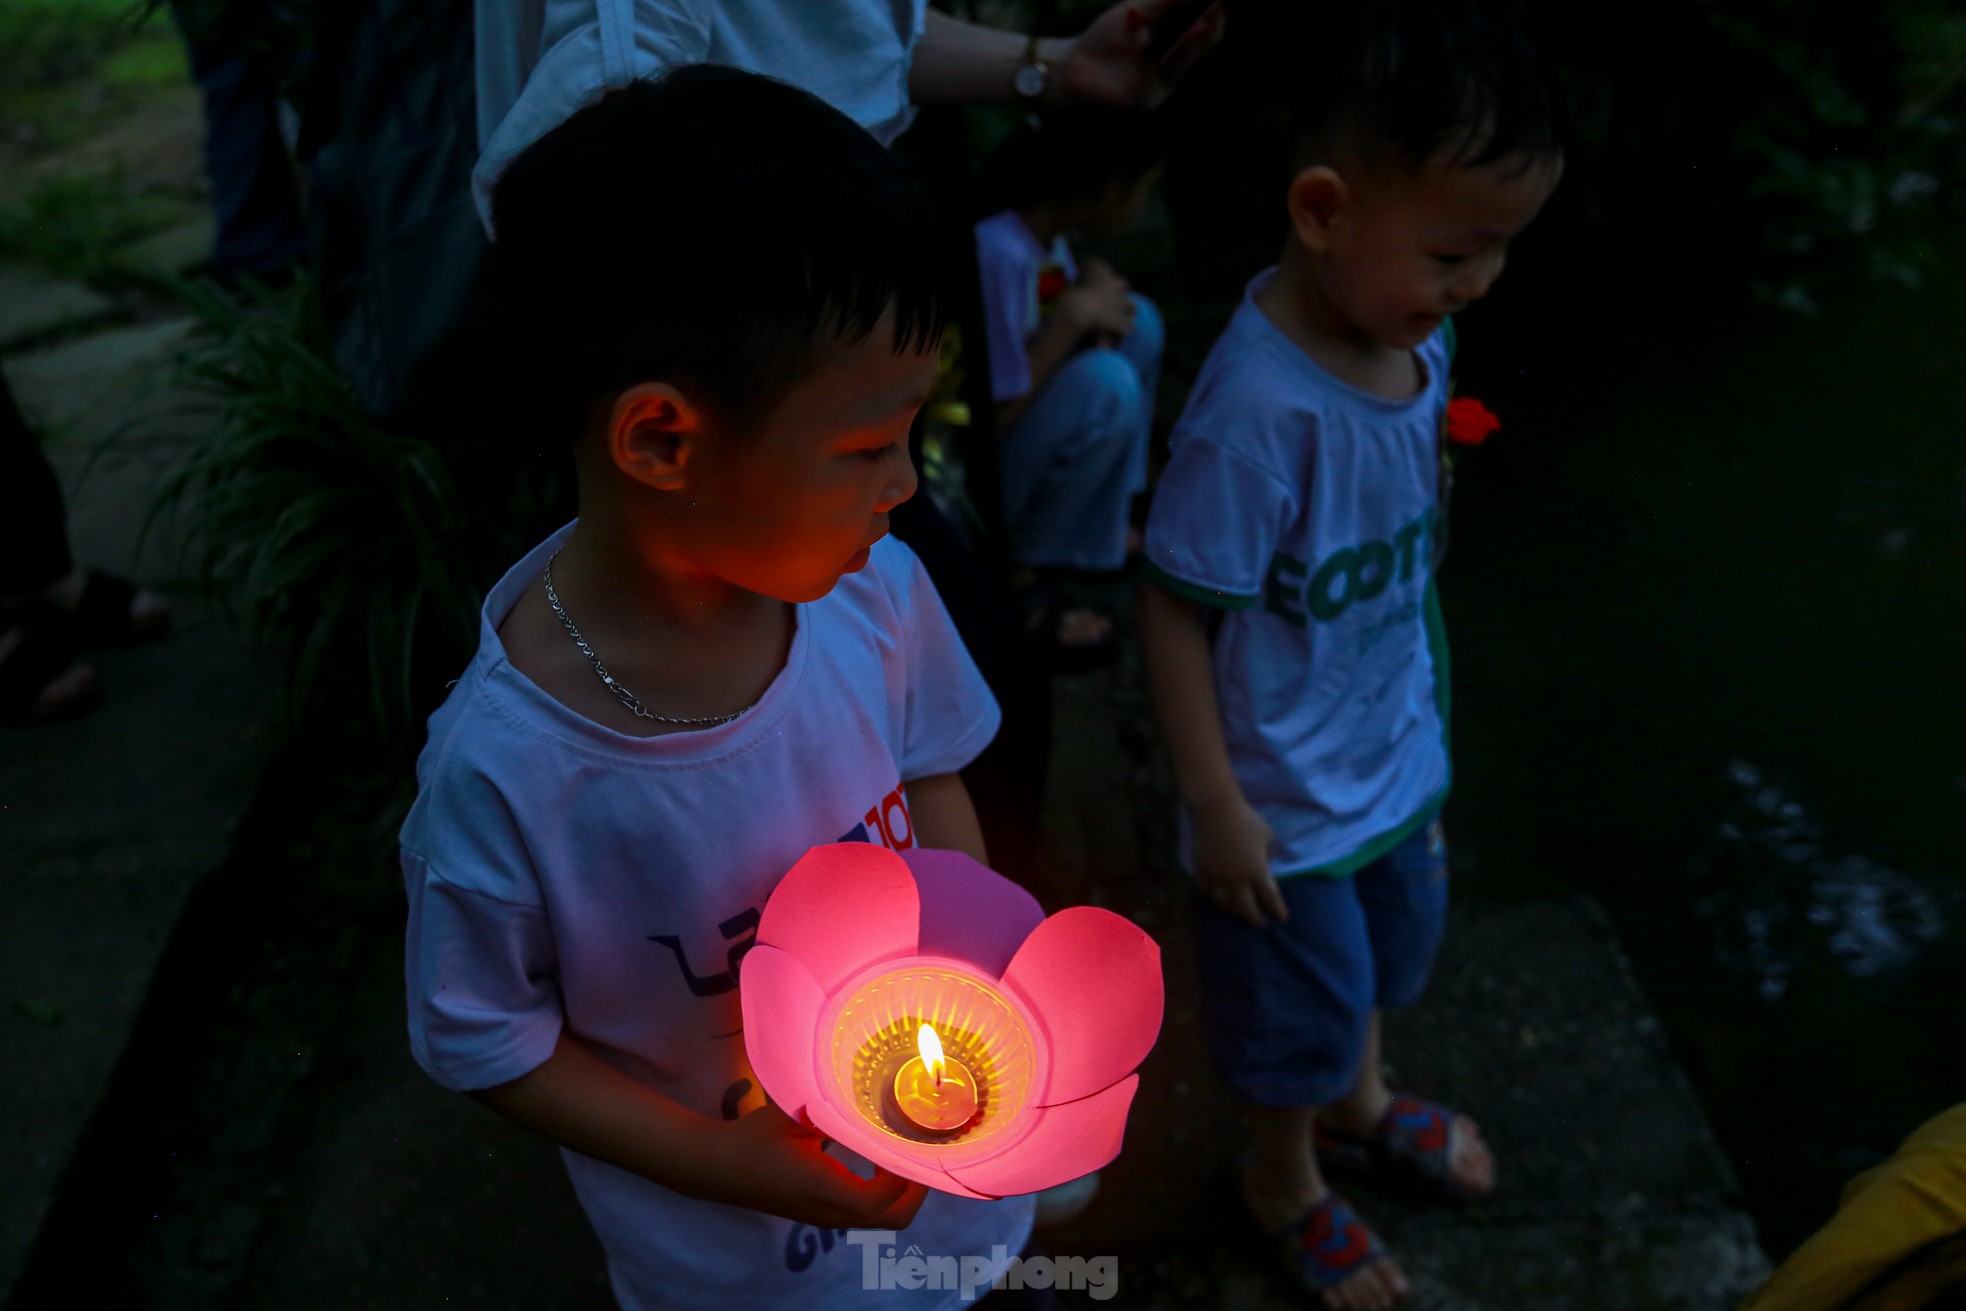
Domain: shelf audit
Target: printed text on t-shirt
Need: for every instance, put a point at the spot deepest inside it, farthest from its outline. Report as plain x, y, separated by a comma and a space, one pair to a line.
887, 823
1295, 593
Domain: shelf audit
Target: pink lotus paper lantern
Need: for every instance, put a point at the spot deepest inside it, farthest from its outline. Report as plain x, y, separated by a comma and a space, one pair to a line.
1040, 1021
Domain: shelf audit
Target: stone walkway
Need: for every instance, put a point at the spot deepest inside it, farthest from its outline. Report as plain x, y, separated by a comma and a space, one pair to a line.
360, 1184
107, 823
1615, 1197
391, 1194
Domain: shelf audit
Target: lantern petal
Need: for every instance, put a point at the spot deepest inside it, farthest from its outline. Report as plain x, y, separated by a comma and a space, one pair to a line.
891, 1154
1068, 1141
781, 1004
970, 912
1093, 978
841, 908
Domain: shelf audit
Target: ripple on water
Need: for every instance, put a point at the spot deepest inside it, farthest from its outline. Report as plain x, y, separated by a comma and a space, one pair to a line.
1780, 900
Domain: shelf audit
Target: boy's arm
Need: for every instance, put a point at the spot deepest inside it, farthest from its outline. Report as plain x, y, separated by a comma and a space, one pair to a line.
1047, 348
1099, 303
764, 1161
1232, 843
940, 810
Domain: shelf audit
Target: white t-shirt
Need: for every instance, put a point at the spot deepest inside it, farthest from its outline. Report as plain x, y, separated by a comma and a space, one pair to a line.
539, 61
561, 874
1012, 264
1305, 509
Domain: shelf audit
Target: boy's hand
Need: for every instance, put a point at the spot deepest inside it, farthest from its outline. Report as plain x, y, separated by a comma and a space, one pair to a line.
769, 1162
1100, 300
1232, 862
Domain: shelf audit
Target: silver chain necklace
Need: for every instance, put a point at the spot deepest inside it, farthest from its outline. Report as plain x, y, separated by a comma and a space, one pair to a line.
621, 693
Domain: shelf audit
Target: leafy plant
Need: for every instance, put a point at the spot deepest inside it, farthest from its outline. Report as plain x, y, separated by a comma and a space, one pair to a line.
345, 545
1842, 132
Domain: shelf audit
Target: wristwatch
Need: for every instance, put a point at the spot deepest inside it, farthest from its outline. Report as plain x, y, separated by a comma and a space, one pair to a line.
1033, 75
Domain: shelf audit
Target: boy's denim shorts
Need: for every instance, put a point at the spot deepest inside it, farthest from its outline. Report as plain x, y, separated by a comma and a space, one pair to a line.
1286, 1006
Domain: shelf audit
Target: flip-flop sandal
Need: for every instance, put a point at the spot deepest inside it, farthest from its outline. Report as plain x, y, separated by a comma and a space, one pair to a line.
1329, 1245
105, 614
1413, 1148
43, 654
1044, 608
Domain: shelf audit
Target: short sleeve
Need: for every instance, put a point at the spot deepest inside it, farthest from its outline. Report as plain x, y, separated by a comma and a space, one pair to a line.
479, 959
592, 47
1009, 287
949, 715
484, 1006
1214, 526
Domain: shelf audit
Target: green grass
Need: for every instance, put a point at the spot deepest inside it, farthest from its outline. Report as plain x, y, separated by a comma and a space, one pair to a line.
153, 57
48, 41
72, 224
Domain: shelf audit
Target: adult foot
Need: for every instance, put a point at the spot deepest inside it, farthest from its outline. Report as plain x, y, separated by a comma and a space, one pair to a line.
1436, 1151
40, 679
100, 609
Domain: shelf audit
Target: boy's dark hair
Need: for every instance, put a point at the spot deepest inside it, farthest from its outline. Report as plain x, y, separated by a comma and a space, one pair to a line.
717, 230
1068, 154
1409, 80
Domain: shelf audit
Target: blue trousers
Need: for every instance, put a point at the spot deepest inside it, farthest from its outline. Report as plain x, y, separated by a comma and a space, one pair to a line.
1287, 1005
1078, 454
255, 198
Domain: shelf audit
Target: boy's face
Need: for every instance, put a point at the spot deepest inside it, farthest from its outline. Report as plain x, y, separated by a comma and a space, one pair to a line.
1412, 246
788, 508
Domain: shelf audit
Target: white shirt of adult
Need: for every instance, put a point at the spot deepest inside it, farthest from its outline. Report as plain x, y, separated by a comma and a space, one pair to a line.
541, 61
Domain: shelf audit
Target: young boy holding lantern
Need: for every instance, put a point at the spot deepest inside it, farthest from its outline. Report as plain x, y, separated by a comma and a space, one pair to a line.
718, 665
1291, 625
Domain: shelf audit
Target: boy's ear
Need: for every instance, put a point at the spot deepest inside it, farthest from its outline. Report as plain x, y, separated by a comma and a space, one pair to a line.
1316, 198
651, 433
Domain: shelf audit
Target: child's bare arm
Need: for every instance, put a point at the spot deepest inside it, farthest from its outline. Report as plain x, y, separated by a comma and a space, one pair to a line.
764, 1161
1232, 843
940, 810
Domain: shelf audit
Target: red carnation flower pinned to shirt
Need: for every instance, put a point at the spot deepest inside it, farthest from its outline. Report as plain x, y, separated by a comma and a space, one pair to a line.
1051, 283
1469, 422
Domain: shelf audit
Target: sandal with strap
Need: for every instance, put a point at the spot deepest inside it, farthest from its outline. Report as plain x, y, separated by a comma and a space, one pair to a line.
105, 614
30, 668
1045, 609
1329, 1245
1412, 1148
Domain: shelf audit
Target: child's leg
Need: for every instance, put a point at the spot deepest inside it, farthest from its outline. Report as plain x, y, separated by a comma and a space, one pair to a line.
1287, 1010
1281, 1180
1360, 1110
1142, 348
1068, 464
1403, 897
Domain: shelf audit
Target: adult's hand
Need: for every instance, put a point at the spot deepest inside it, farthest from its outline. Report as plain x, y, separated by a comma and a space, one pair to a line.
1106, 64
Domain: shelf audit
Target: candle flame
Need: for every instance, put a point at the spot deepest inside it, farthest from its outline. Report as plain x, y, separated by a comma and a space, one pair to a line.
930, 1047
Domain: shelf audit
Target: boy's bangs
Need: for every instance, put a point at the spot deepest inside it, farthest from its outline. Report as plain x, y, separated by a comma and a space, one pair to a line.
1416, 80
